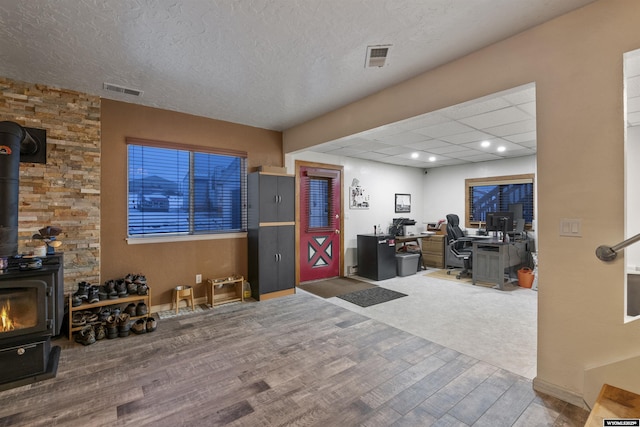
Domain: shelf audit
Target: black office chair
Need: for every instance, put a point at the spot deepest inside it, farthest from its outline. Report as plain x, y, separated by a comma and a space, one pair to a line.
459, 248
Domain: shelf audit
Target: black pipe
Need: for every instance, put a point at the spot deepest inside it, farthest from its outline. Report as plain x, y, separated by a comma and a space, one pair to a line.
11, 136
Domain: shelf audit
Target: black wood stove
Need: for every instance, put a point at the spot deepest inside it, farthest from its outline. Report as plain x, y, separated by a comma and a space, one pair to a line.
31, 289
31, 313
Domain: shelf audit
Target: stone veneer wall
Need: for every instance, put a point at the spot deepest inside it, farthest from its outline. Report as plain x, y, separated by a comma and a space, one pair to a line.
66, 191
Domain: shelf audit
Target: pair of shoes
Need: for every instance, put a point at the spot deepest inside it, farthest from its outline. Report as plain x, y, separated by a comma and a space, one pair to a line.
143, 289
112, 327
110, 288
151, 324
91, 317
83, 290
86, 335
139, 327
141, 309
132, 288
78, 319
102, 293
124, 325
93, 295
121, 288
99, 331
130, 309
104, 313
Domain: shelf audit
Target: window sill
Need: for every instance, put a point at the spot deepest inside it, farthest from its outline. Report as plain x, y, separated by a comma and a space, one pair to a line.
190, 238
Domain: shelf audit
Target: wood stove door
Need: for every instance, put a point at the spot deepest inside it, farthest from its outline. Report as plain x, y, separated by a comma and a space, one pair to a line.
24, 308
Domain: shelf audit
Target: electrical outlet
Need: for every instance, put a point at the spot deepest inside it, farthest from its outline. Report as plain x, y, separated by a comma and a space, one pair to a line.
198, 278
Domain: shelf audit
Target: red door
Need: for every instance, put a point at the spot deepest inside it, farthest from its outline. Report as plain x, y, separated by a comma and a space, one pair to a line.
320, 222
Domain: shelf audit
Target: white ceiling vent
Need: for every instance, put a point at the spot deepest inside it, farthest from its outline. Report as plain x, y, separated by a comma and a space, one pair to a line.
377, 55
122, 89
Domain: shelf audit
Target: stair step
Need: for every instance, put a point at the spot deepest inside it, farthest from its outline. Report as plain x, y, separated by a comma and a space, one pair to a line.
614, 403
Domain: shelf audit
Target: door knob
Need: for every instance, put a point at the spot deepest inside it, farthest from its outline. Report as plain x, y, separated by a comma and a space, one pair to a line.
337, 231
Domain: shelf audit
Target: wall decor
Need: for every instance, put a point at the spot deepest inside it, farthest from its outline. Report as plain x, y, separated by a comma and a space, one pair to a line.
357, 197
403, 203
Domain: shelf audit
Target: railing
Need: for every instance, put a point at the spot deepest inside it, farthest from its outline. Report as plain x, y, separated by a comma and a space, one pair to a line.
608, 253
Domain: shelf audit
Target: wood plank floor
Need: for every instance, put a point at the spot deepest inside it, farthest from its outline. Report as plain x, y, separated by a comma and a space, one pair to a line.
291, 361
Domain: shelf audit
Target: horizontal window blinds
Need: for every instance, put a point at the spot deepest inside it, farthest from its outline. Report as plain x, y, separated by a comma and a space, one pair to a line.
181, 191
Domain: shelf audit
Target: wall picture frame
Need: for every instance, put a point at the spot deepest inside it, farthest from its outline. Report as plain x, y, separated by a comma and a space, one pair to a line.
403, 203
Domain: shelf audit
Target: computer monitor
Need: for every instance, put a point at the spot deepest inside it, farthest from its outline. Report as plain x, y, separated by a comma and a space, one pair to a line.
500, 221
517, 209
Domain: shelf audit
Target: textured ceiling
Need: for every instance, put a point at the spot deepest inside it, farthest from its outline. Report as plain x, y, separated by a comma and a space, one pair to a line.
266, 63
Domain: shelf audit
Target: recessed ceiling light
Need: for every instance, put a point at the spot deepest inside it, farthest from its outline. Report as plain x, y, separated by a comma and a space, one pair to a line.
432, 158
485, 144
501, 149
414, 155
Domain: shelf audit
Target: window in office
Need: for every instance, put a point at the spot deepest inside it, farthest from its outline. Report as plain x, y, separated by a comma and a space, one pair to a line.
179, 190
501, 193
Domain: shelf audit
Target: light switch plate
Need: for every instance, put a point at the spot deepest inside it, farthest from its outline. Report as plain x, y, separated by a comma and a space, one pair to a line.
571, 227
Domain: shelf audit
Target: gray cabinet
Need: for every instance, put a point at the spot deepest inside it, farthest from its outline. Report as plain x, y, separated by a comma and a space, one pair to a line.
271, 237
271, 198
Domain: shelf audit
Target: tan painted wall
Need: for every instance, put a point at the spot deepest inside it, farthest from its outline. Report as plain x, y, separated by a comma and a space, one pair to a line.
169, 264
576, 63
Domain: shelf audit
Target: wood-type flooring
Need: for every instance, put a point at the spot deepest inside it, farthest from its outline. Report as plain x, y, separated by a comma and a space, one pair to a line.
292, 361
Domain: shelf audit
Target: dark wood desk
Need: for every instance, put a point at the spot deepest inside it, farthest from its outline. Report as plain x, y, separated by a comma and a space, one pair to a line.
491, 257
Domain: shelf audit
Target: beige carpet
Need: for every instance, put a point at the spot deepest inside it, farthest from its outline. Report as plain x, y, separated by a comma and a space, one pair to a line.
442, 274
336, 286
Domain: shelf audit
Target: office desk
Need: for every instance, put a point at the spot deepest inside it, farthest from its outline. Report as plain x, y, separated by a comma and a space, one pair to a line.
491, 257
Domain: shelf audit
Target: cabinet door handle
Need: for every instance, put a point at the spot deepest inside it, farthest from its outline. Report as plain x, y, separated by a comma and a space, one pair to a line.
275, 198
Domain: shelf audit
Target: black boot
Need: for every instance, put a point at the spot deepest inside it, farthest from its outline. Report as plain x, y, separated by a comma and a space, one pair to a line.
83, 290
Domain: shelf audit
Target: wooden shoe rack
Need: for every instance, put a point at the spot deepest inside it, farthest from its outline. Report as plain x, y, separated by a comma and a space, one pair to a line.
122, 302
225, 290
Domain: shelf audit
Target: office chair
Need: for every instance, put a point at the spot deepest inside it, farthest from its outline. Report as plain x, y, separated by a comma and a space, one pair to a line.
459, 248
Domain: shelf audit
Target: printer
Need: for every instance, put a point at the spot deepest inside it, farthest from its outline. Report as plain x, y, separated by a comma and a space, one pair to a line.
402, 227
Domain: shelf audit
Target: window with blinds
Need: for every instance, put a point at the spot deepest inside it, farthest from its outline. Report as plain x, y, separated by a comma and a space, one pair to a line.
184, 191
497, 194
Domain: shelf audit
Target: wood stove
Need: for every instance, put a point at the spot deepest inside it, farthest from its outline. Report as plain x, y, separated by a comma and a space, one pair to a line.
31, 313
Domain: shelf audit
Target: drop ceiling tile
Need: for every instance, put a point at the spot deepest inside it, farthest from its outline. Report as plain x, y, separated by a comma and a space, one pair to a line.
513, 128
633, 119
483, 157
496, 118
447, 162
632, 86
327, 146
521, 137
633, 104
403, 138
371, 145
344, 151
421, 121
394, 150
529, 144
464, 154
529, 108
449, 149
518, 152
521, 95
370, 155
428, 145
462, 138
469, 109
444, 129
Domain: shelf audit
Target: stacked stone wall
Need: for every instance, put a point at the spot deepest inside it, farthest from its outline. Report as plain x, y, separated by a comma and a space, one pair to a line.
64, 192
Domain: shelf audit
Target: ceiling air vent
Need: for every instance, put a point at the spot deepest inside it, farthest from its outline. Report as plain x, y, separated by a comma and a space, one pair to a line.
377, 55
122, 89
